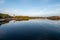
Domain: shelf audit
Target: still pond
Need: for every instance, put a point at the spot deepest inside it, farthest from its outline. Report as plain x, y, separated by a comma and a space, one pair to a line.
42, 29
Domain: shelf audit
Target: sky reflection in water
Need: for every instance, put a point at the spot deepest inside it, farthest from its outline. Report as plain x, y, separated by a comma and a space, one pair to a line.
30, 30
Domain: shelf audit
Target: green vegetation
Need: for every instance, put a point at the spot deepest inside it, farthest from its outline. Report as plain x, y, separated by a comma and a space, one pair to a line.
8, 17
21, 17
54, 17
2, 16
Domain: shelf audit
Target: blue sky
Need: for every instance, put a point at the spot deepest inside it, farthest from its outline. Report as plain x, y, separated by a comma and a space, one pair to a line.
31, 7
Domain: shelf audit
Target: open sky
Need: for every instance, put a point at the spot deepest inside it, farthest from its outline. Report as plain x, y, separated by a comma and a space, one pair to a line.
30, 7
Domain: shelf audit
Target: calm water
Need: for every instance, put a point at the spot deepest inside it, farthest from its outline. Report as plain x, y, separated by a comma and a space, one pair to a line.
30, 30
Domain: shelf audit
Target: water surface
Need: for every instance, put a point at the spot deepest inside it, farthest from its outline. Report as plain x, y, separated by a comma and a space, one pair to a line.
30, 30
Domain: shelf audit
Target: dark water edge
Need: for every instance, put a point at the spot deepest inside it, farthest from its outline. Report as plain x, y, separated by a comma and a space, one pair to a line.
30, 30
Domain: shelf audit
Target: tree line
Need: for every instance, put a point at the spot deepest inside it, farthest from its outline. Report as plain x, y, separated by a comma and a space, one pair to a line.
4, 16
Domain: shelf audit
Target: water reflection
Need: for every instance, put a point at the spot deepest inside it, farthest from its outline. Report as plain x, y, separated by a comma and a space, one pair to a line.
30, 30
7, 21
21, 20
3, 22
54, 19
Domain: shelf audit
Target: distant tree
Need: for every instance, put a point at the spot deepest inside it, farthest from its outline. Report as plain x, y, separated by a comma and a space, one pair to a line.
4, 15
54, 17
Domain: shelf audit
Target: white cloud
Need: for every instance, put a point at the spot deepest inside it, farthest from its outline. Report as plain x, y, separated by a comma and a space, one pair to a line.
34, 12
53, 12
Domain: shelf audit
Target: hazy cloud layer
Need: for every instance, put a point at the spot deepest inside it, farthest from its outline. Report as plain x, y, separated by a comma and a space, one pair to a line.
31, 7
